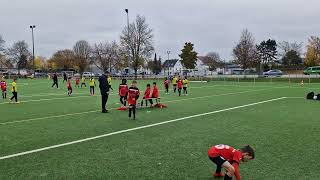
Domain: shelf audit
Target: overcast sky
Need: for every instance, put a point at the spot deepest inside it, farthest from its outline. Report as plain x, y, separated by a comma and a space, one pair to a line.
212, 25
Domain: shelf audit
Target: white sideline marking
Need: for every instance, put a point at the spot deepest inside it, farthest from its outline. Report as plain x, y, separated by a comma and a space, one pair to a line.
71, 114
72, 97
134, 129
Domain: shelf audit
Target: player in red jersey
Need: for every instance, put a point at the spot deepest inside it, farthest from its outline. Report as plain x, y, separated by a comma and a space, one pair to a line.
179, 86
123, 92
69, 86
3, 86
147, 96
229, 158
155, 91
133, 96
77, 82
166, 85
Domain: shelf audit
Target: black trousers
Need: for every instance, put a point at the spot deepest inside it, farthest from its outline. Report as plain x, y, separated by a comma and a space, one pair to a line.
91, 89
55, 83
123, 100
167, 88
146, 100
174, 88
4, 94
15, 96
132, 108
179, 91
104, 99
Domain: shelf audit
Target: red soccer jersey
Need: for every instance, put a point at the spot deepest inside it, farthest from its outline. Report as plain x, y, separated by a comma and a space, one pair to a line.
123, 89
69, 84
147, 93
3, 86
155, 92
133, 95
180, 84
77, 81
227, 152
166, 82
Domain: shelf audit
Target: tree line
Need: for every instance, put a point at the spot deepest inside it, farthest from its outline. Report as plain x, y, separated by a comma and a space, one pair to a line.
135, 48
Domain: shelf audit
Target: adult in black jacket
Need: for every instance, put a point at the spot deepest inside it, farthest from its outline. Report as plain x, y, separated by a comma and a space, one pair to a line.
104, 89
55, 80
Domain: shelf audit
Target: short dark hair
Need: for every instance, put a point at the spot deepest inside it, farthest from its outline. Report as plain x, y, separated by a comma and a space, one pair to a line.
154, 83
148, 85
248, 149
124, 81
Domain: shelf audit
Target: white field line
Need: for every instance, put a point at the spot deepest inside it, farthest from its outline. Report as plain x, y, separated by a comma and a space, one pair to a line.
87, 112
134, 129
87, 96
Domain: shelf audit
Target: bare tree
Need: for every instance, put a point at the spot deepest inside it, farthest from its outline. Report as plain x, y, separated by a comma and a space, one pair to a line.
213, 60
82, 51
19, 55
138, 42
286, 47
2, 49
63, 59
245, 52
106, 56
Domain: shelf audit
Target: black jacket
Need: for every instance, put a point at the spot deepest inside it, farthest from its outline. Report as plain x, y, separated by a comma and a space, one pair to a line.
103, 84
55, 78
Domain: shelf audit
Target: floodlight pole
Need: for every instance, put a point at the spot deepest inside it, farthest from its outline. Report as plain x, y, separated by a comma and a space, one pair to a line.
34, 70
168, 52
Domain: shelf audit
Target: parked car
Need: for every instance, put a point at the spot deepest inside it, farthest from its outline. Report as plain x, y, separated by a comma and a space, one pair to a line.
312, 70
87, 74
276, 73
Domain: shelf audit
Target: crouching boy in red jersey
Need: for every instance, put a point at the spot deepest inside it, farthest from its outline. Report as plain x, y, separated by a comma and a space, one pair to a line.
229, 158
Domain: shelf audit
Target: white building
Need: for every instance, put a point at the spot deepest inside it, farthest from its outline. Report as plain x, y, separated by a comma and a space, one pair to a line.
172, 67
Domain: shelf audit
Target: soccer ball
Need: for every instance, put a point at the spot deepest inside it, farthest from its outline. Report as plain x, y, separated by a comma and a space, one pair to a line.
315, 97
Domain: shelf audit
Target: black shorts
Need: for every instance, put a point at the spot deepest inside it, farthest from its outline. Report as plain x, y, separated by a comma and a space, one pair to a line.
174, 85
185, 88
218, 160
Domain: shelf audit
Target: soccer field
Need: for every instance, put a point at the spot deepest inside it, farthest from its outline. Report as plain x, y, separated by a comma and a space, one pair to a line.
52, 136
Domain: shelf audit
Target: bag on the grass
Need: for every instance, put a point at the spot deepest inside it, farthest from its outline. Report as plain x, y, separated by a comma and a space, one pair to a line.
318, 97
310, 95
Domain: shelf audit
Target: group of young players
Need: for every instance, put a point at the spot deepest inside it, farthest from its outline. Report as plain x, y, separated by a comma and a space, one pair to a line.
223, 156
14, 90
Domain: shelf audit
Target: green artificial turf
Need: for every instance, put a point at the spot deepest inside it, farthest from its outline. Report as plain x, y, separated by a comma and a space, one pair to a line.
285, 133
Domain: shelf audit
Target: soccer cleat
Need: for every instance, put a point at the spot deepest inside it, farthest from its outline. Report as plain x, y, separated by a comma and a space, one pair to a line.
18, 102
218, 174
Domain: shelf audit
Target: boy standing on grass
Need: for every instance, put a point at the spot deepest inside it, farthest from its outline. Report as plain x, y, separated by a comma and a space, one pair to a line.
69, 86
55, 80
110, 82
92, 84
123, 92
133, 96
83, 82
77, 82
147, 95
179, 86
14, 90
155, 92
185, 83
166, 85
3, 85
229, 158
174, 84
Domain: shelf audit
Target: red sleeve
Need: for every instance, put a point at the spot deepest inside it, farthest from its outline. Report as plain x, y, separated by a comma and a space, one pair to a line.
236, 170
